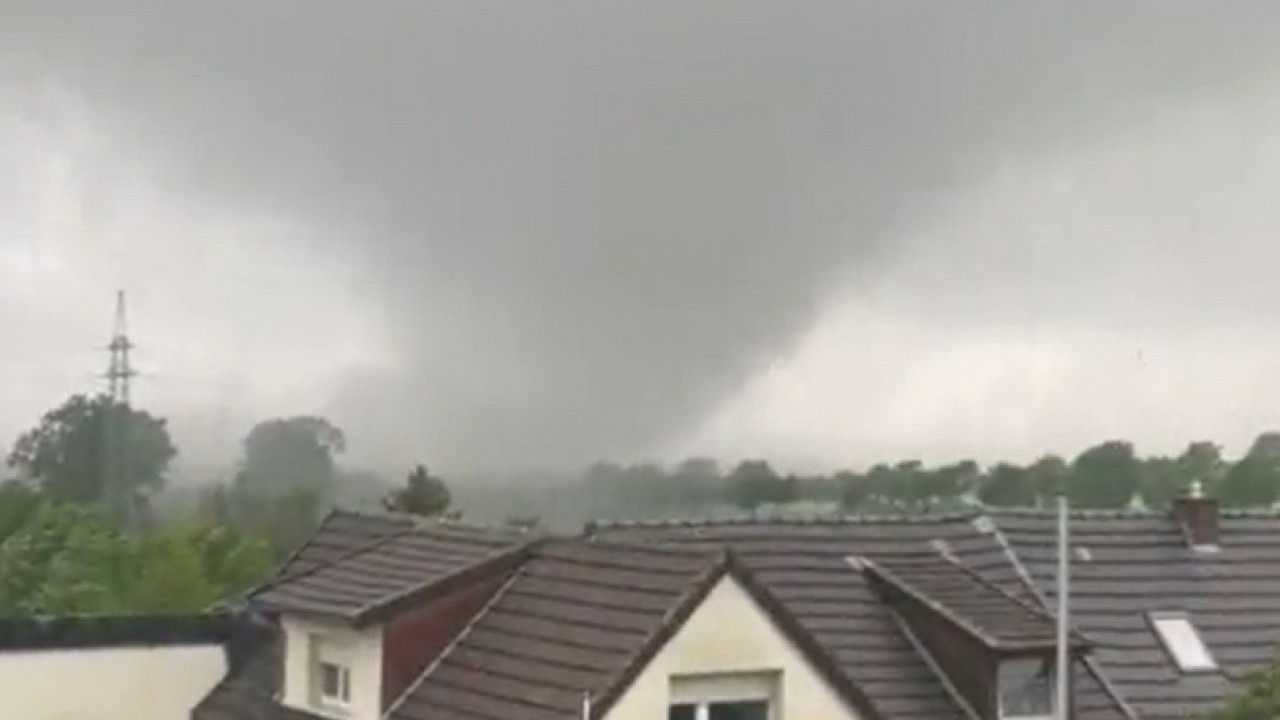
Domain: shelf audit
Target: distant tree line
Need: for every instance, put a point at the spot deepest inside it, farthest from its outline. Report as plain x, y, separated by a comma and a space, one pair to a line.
88, 523
1110, 474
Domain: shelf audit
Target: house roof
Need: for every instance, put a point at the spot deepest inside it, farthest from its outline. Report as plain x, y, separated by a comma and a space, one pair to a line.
393, 569
806, 566
342, 533
582, 615
1140, 562
578, 618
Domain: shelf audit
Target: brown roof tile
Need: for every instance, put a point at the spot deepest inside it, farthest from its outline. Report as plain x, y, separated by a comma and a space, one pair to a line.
804, 566
391, 570
1139, 562
969, 601
577, 618
342, 533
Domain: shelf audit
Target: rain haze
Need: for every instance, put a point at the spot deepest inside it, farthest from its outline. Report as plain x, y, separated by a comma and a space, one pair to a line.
513, 234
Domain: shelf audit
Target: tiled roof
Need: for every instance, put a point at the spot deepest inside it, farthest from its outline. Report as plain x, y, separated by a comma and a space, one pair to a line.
1140, 562
580, 615
391, 570
805, 565
973, 603
341, 533
577, 618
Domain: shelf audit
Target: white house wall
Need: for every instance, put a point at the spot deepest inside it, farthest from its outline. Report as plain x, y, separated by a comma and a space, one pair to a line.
366, 665
729, 633
130, 683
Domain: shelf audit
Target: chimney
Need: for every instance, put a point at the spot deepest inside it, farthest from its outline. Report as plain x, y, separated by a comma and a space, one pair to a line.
1198, 516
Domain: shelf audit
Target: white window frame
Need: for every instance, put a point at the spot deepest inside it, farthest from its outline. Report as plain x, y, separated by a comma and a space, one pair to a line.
702, 709
703, 691
336, 654
1052, 688
1182, 642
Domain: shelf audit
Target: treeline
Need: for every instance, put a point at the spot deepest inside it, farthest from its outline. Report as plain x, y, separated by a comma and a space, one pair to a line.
88, 525
1108, 475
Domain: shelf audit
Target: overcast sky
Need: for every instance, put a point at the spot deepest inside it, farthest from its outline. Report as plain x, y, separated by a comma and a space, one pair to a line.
511, 234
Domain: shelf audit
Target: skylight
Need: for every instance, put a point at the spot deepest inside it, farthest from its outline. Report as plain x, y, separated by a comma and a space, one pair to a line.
1182, 642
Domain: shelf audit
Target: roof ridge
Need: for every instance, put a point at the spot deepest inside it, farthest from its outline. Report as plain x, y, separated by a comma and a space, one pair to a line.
424, 525
1090, 513
804, 521
1123, 513
649, 546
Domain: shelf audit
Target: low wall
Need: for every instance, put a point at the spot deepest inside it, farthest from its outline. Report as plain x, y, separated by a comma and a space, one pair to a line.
109, 668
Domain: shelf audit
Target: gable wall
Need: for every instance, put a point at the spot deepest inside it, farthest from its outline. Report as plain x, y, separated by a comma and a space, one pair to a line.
413, 639
730, 633
108, 683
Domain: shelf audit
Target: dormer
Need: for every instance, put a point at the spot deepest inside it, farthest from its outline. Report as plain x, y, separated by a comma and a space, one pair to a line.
994, 650
358, 631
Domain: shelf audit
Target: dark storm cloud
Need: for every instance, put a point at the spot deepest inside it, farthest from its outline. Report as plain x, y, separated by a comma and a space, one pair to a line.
589, 220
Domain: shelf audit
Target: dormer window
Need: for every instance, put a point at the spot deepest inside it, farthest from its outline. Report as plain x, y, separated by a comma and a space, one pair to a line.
330, 675
1026, 689
1182, 642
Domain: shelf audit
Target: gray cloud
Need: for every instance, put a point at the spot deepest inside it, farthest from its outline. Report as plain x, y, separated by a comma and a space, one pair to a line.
587, 222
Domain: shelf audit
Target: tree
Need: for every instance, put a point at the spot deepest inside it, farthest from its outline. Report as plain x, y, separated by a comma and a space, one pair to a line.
166, 576
1048, 476
92, 449
70, 559
1161, 481
423, 494
1202, 461
19, 502
1104, 476
1258, 696
231, 560
1255, 479
855, 488
948, 481
290, 454
754, 483
65, 559
283, 518
694, 483
1008, 486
